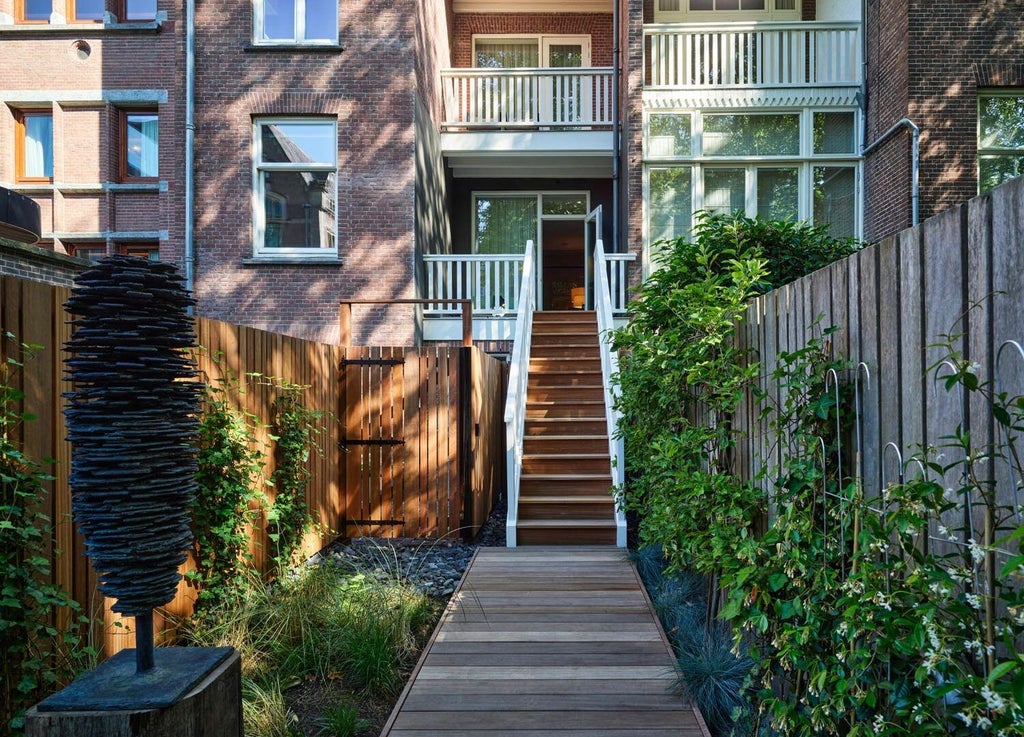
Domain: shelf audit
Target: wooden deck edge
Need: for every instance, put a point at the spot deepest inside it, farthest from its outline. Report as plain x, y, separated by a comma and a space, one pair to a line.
452, 601
668, 643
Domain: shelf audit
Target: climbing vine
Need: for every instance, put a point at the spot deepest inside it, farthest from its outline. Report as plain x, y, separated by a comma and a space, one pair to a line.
35, 656
295, 435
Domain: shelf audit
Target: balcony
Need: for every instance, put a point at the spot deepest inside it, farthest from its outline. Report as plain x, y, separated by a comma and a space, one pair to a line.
752, 55
540, 98
492, 282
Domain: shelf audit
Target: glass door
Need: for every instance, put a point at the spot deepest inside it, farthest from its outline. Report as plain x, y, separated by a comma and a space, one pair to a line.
567, 96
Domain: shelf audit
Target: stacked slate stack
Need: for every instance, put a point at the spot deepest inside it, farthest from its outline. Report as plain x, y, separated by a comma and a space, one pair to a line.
133, 424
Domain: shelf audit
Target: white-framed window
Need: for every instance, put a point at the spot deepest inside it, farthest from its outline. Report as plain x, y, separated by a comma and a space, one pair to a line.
295, 22
295, 186
783, 165
1000, 137
667, 11
530, 51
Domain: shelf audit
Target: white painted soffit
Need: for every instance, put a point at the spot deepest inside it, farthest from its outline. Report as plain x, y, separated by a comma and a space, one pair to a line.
543, 154
845, 96
532, 6
542, 166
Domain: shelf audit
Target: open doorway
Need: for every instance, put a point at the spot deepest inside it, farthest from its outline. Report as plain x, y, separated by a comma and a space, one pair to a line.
562, 264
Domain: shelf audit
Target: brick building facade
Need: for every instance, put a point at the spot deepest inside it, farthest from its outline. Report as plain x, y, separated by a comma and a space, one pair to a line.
928, 62
90, 121
336, 157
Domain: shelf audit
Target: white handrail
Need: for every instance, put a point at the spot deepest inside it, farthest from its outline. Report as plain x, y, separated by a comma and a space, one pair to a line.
618, 280
492, 281
609, 367
515, 403
527, 97
753, 54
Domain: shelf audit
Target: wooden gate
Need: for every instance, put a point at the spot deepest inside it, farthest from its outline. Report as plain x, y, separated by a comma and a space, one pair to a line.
403, 472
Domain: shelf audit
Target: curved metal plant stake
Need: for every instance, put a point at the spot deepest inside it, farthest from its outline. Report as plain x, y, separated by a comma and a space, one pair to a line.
132, 422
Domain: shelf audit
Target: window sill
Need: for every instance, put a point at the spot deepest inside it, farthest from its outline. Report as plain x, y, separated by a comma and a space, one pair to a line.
293, 261
86, 28
84, 188
295, 47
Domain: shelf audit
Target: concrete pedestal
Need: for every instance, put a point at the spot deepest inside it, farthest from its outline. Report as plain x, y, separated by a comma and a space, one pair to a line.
105, 703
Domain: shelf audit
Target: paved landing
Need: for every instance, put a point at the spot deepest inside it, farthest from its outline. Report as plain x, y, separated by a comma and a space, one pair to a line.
555, 641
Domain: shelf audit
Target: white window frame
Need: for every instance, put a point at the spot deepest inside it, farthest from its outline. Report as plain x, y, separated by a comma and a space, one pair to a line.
260, 249
543, 41
684, 14
805, 163
299, 8
1015, 92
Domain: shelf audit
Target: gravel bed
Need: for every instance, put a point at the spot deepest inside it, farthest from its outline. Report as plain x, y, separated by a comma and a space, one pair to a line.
435, 567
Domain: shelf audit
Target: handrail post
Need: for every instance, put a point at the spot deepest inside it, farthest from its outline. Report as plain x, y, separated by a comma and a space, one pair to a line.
345, 324
467, 322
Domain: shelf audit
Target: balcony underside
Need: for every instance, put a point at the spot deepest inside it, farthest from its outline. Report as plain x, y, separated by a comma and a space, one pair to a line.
535, 154
751, 97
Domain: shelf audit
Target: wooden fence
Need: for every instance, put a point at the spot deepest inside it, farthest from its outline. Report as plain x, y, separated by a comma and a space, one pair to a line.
957, 278
411, 440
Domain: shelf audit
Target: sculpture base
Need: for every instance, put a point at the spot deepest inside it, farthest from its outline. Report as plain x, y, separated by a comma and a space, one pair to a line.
190, 691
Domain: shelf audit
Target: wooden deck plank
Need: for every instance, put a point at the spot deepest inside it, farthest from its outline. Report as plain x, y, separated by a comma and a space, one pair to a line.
546, 641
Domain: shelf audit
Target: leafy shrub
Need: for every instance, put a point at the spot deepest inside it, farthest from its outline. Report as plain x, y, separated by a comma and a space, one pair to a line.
789, 249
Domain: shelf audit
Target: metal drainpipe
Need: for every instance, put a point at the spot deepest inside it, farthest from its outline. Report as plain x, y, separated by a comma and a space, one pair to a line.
915, 156
863, 102
615, 126
190, 137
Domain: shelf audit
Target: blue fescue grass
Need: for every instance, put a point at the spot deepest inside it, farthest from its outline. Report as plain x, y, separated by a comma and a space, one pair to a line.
711, 674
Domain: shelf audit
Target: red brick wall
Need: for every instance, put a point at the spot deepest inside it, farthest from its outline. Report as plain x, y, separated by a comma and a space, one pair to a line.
597, 25
43, 64
370, 87
926, 61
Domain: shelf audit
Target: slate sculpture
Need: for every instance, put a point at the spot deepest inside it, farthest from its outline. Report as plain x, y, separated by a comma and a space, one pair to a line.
132, 421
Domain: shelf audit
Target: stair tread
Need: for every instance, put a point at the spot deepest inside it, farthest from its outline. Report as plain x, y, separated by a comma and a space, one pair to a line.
566, 476
556, 438
564, 455
569, 402
572, 420
565, 499
567, 522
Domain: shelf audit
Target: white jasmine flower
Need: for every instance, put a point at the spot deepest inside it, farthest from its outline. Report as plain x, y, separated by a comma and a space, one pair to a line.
973, 600
994, 701
977, 553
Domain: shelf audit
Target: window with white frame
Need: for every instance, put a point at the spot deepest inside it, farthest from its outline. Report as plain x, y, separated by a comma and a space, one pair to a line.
791, 165
295, 22
295, 186
717, 10
1000, 137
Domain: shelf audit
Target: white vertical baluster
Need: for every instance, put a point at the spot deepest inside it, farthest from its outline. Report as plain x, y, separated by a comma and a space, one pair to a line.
513, 297
488, 293
504, 283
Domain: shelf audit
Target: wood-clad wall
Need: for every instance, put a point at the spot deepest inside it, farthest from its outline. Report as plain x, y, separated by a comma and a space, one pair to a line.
433, 416
957, 278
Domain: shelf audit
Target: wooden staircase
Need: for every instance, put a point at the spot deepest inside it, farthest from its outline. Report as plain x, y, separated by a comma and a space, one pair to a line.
565, 487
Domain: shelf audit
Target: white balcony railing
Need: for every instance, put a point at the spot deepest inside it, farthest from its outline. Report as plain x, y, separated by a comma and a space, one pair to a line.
752, 54
493, 282
549, 98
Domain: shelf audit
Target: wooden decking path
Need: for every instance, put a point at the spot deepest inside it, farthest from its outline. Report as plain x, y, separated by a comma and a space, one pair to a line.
537, 641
